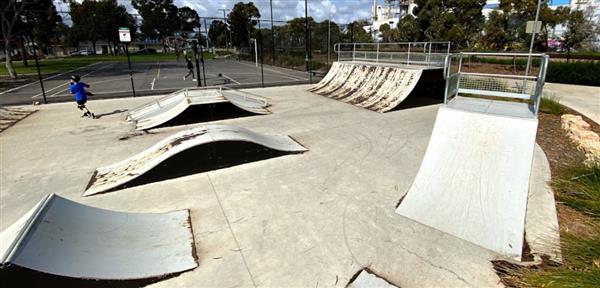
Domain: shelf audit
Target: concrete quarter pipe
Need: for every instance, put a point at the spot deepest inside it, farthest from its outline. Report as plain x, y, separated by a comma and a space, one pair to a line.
109, 177
474, 179
377, 87
162, 110
65, 238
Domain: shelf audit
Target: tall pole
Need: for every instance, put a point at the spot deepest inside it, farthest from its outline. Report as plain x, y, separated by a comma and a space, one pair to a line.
537, 15
308, 56
260, 37
328, 38
272, 35
225, 21
198, 79
129, 63
37, 64
206, 32
203, 71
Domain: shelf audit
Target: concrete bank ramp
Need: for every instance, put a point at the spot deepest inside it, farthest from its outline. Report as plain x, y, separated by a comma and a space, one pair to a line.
109, 177
474, 179
65, 238
158, 112
376, 87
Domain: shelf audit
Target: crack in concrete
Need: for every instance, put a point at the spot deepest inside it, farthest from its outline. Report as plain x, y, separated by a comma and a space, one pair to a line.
231, 231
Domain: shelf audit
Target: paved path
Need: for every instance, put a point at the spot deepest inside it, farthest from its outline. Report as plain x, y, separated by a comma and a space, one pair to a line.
583, 99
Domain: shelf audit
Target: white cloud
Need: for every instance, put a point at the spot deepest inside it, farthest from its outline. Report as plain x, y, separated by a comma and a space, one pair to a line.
341, 11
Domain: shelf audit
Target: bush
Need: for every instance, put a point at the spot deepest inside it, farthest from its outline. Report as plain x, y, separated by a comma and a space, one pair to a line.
551, 104
579, 73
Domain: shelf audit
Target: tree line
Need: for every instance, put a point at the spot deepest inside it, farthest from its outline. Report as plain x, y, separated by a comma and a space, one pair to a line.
458, 21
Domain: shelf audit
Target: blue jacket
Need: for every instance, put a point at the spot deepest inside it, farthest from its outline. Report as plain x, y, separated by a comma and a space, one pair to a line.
78, 88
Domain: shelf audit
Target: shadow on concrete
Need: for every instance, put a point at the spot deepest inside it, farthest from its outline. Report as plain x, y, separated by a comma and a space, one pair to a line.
428, 91
207, 113
15, 276
118, 111
204, 158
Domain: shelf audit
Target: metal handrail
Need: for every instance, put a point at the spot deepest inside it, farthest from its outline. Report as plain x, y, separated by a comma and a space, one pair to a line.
377, 53
480, 82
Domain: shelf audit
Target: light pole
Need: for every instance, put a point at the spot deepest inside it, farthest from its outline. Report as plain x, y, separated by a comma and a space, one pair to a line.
272, 36
307, 41
226, 28
328, 37
537, 16
37, 64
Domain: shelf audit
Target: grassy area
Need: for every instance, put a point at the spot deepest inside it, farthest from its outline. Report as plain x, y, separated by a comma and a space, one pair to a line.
551, 105
59, 65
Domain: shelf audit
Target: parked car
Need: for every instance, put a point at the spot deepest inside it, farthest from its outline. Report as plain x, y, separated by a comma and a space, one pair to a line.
146, 51
79, 53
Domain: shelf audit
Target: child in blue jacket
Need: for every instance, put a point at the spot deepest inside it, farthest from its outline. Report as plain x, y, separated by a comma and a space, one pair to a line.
78, 88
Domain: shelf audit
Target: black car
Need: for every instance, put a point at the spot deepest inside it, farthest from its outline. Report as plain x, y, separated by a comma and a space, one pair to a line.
146, 51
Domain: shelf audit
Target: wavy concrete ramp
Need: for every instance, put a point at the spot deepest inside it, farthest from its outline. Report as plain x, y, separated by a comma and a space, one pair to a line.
375, 87
109, 177
474, 179
158, 112
65, 238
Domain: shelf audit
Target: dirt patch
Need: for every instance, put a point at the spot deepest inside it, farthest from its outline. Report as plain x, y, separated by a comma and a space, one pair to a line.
574, 222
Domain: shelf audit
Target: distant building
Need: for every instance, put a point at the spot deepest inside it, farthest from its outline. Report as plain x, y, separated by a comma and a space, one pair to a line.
390, 12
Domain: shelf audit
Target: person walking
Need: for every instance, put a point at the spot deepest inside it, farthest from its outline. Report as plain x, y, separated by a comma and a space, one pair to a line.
78, 89
190, 68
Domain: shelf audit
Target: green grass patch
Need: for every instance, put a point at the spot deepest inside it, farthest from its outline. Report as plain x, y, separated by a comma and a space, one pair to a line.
551, 105
578, 269
59, 65
578, 186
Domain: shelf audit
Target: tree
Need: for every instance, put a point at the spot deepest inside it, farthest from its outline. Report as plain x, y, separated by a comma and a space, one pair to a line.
218, 33
160, 18
241, 23
40, 21
189, 19
357, 33
495, 35
459, 21
408, 29
580, 27
87, 22
386, 32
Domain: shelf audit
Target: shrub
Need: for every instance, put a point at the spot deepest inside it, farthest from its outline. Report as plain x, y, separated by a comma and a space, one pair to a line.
551, 104
579, 73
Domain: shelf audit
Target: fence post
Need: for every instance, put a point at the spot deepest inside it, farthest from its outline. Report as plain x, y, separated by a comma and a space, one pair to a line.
408, 56
353, 52
377, 52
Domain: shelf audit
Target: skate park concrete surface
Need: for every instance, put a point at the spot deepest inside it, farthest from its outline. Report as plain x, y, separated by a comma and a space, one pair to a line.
111, 79
583, 99
304, 220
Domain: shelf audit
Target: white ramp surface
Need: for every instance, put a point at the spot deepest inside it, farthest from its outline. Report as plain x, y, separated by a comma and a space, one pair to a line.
65, 238
474, 179
112, 176
158, 112
375, 87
